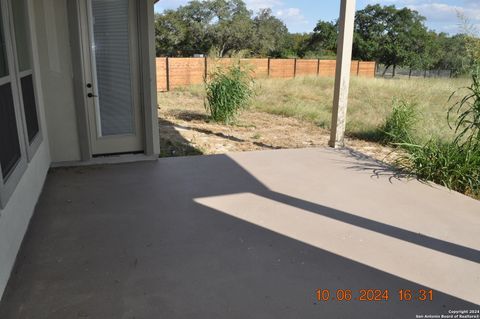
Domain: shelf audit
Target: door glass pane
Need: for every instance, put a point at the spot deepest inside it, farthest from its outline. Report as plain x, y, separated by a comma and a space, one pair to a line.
3, 52
112, 59
20, 22
9, 142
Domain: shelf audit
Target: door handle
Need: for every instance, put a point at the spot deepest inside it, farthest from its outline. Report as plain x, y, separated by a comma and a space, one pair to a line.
91, 95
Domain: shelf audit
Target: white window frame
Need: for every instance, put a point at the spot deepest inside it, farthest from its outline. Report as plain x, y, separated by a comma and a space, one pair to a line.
27, 149
31, 147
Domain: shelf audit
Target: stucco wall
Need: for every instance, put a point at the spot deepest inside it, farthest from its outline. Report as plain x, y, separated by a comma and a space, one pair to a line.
15, 217
57, 83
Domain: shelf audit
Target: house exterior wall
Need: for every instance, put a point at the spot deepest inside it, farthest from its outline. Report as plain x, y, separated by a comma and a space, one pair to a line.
56, 77
57, 107
14, 218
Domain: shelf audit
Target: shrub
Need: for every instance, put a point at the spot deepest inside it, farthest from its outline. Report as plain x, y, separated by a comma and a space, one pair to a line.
227, 91
446, 163
399, 125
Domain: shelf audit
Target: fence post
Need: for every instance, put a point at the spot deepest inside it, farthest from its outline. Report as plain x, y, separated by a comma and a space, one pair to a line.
295, 68
206, 69
167, 72
358, 68
268, 67
318, 67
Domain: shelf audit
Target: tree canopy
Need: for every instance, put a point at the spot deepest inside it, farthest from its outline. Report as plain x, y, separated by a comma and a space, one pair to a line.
385, 34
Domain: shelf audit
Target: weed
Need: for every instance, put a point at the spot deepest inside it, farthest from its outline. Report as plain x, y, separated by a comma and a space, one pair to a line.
446, 163
227, 91
454, 164
467, 125
399, 125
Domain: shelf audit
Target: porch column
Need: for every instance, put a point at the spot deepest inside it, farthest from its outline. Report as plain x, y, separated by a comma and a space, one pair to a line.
342, 74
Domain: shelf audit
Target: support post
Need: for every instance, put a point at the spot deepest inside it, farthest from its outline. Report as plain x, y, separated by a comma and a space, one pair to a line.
167, 71
295, 68
205, 74
342, 74
268, 67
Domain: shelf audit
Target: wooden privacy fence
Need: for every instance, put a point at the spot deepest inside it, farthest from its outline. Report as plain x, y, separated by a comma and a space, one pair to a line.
178, 72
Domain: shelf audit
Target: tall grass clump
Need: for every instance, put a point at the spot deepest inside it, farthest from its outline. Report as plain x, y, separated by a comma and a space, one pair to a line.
228, 90
467, 125
446, 163
399, 125
454, 164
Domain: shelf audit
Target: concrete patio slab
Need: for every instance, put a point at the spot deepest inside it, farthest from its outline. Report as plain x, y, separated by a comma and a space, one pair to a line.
250, 235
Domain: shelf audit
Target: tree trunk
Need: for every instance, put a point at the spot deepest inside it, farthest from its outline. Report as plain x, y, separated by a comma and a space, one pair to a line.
394, 70
222, 51
385, 71
425, 73
410, 73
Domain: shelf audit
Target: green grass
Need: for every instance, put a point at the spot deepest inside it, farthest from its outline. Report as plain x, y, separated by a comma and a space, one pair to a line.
400, 122
446, 163
455, 163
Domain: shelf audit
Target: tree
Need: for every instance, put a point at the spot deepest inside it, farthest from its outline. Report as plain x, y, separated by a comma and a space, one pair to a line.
452, 53
323, 40
234, 29
388, 35
223, 25
296, 45
169, 33
270, 35
184, 32
472, 44
201, 25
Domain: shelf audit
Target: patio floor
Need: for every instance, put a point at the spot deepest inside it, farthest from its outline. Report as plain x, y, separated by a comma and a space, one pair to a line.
249, 235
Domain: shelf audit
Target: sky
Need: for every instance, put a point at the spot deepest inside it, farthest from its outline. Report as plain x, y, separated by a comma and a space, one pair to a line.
302, 15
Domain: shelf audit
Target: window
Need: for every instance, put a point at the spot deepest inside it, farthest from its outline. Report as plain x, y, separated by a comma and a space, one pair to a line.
11, 153
20, 132
23, 52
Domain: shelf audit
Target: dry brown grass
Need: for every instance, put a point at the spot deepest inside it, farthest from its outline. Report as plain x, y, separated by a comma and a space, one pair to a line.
308, 100
369, 104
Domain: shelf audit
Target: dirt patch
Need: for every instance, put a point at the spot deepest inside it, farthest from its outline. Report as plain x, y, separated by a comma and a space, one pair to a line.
188, 131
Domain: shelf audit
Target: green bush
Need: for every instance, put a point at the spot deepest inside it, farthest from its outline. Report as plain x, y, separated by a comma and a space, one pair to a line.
399, 125
228, 90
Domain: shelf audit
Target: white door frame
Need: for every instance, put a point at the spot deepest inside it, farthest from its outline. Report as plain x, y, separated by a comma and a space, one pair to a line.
146, 79
121, 143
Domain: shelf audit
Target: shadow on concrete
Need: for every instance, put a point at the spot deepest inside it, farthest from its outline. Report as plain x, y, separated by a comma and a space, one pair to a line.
129, 241
360, 162
381, 228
